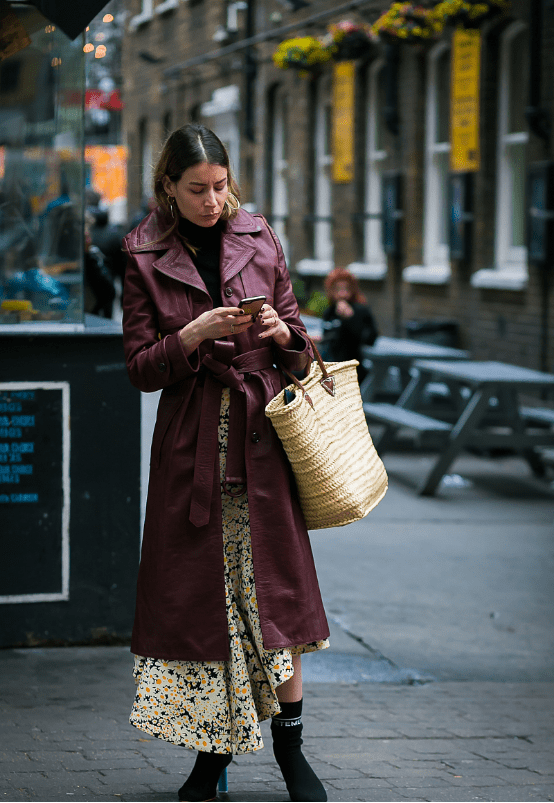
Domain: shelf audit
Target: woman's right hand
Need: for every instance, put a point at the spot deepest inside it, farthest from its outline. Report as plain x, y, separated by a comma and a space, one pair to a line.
214, 324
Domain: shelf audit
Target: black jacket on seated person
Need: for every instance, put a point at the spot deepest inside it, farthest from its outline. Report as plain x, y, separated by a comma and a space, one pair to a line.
342, 337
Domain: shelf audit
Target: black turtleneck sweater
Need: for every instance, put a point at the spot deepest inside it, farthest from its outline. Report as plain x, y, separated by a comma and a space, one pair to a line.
207, 244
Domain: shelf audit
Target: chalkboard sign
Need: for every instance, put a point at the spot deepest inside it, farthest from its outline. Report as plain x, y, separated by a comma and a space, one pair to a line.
34, 491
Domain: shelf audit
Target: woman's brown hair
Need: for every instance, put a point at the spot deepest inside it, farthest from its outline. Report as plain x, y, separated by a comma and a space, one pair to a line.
186, 147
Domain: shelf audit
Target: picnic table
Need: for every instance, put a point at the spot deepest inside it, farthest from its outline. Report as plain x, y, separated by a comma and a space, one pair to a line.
398, 354
489, 415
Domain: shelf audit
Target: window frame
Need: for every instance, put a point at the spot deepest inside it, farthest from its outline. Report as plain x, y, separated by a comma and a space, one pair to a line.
507, 257
322, 260
436, 255
510, 271
374, 264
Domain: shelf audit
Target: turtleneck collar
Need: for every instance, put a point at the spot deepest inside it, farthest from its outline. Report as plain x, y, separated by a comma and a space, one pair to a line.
198, 235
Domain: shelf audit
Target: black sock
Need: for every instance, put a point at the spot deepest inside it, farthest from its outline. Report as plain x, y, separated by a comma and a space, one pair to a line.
202, 782
286, 729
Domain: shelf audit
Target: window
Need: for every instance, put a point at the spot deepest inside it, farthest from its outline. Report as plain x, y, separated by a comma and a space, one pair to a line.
510, 252
279, 187
436, 258
374, 265
322, 261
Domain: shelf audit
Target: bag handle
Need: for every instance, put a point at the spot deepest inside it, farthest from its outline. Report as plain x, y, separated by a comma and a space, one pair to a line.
327, 380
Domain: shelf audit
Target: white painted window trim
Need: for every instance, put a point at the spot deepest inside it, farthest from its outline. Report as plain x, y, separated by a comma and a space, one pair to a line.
167, 5
372, 271
63, 594
510, 271
314, 267
323, 192
374, 265
436, 256
427, 274
145, 15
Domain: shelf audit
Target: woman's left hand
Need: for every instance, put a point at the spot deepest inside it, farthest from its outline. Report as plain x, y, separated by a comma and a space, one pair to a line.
274, 327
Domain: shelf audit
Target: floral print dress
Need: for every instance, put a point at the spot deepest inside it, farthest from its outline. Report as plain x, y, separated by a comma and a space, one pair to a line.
216, 706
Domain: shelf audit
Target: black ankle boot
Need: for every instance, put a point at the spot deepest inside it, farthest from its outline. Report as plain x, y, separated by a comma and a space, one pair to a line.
202, 782
286, 729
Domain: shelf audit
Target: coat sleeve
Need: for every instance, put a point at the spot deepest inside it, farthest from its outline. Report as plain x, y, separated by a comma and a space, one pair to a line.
299, 354
152, 364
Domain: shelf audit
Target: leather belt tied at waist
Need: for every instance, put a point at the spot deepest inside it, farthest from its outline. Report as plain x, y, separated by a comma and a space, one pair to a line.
223, 368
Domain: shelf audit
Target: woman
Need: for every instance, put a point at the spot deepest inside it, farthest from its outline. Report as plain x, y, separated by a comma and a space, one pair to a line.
347, 322
227, 597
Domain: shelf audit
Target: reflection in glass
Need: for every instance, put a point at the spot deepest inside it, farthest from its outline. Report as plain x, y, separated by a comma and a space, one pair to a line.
41, 177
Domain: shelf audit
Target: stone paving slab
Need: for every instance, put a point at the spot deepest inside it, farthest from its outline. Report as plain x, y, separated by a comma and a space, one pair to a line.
65, 736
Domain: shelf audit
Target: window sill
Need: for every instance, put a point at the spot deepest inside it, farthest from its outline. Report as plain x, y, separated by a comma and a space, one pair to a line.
314, 267
167, 5
372, 271
427, 274
140, 19
514, 278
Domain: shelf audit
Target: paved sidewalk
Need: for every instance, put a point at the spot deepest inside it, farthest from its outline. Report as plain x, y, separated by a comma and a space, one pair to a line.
65, 736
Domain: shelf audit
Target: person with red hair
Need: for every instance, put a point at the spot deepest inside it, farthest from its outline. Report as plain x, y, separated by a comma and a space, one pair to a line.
348, 322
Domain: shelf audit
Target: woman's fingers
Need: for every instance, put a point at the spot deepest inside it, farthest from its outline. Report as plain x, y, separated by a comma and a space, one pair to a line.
273, 325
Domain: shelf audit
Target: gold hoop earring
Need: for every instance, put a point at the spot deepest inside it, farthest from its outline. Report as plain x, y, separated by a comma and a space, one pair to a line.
170, 200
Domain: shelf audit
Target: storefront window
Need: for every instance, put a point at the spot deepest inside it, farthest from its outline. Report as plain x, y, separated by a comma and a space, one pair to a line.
41, 176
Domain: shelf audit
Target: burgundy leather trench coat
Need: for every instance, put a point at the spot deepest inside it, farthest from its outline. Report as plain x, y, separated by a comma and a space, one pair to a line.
180, 610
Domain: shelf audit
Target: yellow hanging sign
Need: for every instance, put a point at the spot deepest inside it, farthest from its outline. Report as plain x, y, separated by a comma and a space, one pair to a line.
343, 121
464, 101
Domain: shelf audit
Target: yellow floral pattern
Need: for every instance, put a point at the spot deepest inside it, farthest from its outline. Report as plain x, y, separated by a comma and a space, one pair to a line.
216, 706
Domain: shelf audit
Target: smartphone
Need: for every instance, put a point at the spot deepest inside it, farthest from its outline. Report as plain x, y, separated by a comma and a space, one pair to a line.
252, 305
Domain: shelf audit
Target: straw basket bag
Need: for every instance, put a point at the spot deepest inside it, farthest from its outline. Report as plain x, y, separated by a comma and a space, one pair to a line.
339, 475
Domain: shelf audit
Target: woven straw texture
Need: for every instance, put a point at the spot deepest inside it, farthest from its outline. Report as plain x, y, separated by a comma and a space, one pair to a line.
340, 476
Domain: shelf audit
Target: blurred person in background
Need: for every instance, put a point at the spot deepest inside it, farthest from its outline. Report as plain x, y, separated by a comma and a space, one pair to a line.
107, 237
99, 284
348, 322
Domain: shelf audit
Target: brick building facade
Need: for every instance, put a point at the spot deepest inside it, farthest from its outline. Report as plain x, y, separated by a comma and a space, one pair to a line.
186, 60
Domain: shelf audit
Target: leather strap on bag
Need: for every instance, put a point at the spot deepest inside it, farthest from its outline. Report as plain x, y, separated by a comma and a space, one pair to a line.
327, 380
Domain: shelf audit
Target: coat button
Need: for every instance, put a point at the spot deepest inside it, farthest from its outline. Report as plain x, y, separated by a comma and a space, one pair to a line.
255, 437
162, 366
246, 376
228, 292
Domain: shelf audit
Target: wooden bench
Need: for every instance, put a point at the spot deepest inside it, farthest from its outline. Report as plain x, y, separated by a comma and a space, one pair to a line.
395, 418
542, 416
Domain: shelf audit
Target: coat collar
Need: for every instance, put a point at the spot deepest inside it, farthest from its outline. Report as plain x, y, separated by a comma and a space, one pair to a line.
144, 236
236, 250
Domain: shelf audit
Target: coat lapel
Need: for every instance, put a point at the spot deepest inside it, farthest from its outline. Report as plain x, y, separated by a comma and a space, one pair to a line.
236, 252
237, 249
177, 264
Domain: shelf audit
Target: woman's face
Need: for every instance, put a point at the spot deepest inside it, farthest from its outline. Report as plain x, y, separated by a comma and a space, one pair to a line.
341, 291
200, 193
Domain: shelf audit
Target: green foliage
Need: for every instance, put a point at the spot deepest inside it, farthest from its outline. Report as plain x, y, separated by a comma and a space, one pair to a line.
317, 303
299, 290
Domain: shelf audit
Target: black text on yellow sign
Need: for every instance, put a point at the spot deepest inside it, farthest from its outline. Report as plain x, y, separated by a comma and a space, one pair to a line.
464, 101
343, 121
